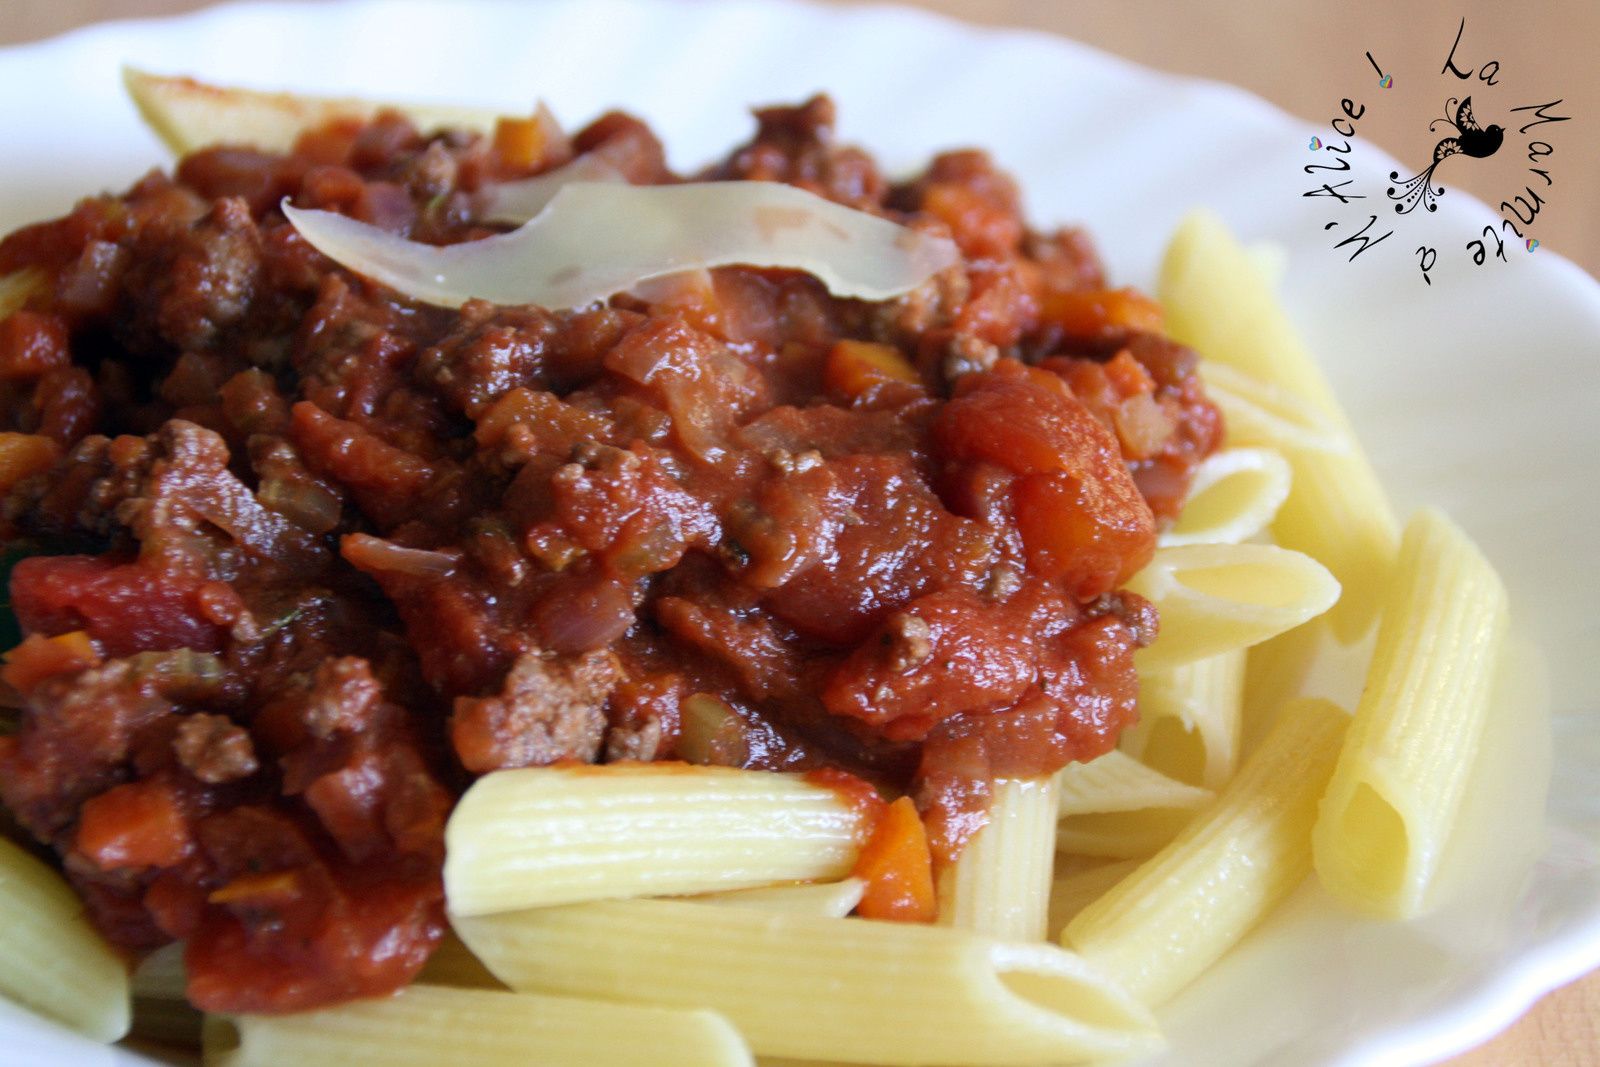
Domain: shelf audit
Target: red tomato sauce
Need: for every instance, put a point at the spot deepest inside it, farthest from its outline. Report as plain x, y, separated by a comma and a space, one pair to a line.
319, 554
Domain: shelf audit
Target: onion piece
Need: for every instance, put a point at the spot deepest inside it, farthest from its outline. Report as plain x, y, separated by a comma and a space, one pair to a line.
596, 239
523, 199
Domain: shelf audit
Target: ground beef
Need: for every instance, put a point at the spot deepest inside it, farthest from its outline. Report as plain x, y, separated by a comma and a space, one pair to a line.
315, 554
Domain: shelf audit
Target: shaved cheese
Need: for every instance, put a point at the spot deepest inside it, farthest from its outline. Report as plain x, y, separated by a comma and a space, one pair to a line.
596, 239
521, 200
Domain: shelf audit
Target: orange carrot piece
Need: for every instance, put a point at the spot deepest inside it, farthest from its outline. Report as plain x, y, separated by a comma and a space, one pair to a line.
136, 825
23, 455
40, 657
854, 367
898, 868
1091, 312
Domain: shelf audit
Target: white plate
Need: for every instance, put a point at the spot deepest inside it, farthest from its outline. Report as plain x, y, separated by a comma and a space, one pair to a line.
1480, 393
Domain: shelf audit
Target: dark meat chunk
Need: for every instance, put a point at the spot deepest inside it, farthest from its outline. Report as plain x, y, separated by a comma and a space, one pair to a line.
551, 708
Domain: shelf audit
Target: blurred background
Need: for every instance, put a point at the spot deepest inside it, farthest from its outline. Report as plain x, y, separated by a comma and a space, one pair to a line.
1305, 57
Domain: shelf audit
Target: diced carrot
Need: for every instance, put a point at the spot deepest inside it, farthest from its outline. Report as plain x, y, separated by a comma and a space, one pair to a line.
1092, 312
137, 825
40, 657
982, 227
898, 868
277, 886
23, 455
855, 367
520, 143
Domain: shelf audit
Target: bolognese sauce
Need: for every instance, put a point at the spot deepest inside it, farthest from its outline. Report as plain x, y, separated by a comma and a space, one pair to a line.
310, 555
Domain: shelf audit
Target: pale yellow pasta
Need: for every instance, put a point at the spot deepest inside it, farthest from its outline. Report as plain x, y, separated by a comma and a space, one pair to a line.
1337, 511
425, 1026
160, 1011
1121, 834
871, 992
1000, 883
1161, 926
831, 899
51, 959
187, 115
453, 964
1233, 496
1117, 781
1080, 882
16, 287
1394, 797
1258, 413
1276, 672
1188, 726
1217, 598
546, 835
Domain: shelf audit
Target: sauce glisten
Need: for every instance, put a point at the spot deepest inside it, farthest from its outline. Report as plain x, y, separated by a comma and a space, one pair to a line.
318, 554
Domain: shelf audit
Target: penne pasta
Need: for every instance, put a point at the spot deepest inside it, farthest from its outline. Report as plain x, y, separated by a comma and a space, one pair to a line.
831, 899
1394, 797
1232, 498
1077, 886
425, 1026
1117, 781
1121, 834
1000, 883
160, 1011
187, 115
1217, 598
1188, 726
817, 988
1261, 414
51, 959
548, 835
453, 964
1336, 512
1174, 916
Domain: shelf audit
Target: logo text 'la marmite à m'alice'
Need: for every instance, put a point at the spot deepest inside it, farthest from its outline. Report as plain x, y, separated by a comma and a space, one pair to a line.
1471, 132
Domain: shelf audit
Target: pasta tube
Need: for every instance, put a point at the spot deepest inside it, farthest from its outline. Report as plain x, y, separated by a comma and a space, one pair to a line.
1232, 497
1083, 884
1158, 928
1188, 726
425, 1026
51, 960
816, 988
1000, 883
1394, 798
547, 835
1217, 598
834, 899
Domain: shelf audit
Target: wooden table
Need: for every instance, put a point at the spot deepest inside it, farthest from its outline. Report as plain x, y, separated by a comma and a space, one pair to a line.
1298, 56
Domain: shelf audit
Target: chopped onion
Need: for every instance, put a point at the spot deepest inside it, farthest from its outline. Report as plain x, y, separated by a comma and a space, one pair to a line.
521, 200
596, 239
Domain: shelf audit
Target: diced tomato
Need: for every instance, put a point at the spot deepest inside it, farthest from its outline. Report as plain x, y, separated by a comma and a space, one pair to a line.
125, 607
898, 869
31, 343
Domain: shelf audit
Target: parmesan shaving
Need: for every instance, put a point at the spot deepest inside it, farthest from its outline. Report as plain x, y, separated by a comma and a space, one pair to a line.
518, 201
594, 239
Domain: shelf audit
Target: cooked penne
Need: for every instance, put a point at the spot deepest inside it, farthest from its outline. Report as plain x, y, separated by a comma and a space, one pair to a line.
1000, 884
1394, 797
51, 959
1116, 806
453, 964
1217, 598
816, 988
1158, 928
1259, 413
187, 115
430, 1025
1188, 726
1336, 512
1081, 884
16, 287
830, 899
1233, 497
160, 1011
1117, 781
549, 835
